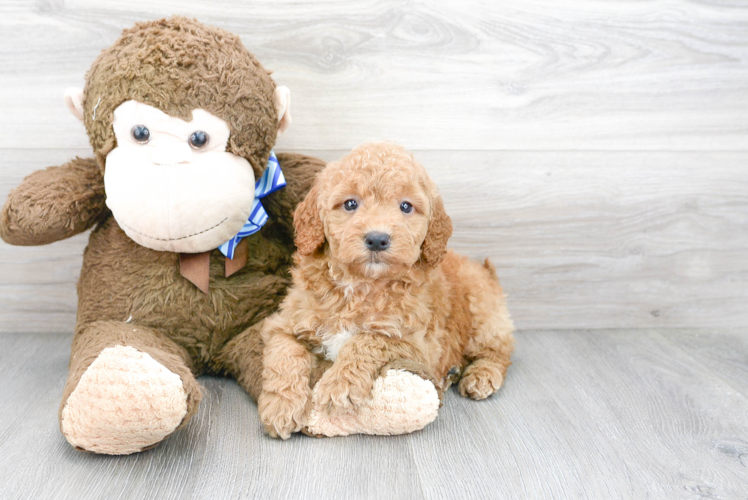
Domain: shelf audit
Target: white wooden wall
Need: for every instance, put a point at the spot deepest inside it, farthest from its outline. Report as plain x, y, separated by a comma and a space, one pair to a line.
596, 151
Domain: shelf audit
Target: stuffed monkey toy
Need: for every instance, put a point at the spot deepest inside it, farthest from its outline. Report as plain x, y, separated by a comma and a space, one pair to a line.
193, 234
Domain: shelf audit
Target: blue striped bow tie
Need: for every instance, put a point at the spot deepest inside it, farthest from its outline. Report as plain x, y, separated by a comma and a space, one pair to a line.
272, 180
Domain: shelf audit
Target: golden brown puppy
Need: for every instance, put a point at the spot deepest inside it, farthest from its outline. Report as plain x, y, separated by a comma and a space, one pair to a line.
374, 283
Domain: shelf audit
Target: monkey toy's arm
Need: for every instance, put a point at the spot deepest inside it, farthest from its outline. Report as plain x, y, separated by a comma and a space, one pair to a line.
54, 204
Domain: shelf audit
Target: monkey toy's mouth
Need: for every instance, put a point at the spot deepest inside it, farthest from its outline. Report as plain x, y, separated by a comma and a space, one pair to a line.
185, 208
125, 226
171, 185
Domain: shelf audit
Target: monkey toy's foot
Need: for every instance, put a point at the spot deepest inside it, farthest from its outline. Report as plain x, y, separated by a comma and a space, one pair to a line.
125, 402
401, 402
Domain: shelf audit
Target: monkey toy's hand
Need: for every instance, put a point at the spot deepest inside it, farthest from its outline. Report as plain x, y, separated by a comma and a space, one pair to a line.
54, 204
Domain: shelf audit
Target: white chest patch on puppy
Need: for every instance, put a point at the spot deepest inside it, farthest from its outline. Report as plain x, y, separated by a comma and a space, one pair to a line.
332, 343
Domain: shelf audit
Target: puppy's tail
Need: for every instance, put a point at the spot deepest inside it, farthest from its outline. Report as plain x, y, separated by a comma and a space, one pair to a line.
488, 265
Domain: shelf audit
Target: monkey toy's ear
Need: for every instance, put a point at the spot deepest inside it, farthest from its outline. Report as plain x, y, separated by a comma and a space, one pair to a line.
282, 99
310, 232
74, 101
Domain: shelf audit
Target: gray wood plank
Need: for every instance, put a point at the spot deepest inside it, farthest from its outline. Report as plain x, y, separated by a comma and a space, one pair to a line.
303, 467
723, 352
583, 414
580, 239
597, 414
540, 75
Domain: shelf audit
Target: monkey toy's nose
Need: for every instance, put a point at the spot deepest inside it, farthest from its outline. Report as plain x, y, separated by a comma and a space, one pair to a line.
171, 154
376, 242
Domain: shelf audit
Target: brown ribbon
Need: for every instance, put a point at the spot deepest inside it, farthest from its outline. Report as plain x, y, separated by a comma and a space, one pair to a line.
195, 267
241, 252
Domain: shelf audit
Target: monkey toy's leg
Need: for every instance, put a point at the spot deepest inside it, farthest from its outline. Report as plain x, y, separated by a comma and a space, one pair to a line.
127, 390
404, 398
241, 358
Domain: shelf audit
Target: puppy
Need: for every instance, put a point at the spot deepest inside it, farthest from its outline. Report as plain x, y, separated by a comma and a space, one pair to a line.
374, 283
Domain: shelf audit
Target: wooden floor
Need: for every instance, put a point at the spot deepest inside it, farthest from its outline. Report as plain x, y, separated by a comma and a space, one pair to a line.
584, 414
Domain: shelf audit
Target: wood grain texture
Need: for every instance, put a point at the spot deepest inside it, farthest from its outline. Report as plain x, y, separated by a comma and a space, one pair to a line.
724, 353
531, 75
584, 414
580, 239
596, 151
599, 415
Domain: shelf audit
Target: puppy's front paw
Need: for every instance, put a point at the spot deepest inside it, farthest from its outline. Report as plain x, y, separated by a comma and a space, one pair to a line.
282, 415
340, 390
481, 379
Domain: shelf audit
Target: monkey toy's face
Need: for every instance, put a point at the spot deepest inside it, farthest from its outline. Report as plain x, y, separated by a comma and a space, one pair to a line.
182, 120
170, 183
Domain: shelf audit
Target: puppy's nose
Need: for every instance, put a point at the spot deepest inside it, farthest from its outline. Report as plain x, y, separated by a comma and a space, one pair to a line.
376, 242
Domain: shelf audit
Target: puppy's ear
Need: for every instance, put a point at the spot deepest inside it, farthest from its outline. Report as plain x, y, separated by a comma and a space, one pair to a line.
440, 229
310, 232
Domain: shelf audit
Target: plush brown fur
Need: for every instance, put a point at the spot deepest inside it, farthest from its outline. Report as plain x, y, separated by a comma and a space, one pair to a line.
135, 296
415, 301
130, 295
54, 204
165, 64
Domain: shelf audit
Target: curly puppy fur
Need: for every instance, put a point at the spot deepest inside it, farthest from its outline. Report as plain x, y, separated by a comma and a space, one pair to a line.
363, 309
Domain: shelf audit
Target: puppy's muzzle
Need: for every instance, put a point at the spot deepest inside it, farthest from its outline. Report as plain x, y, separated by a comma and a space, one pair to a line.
376, 241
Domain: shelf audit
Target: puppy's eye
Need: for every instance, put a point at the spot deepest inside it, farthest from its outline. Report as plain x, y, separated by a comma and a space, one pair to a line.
199, 139
141, 134
350, 205
406, 207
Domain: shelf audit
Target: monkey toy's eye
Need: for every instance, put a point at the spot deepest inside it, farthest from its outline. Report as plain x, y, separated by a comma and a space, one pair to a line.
406, 207
198, 139
141, 134
350, 205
